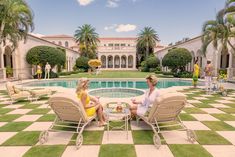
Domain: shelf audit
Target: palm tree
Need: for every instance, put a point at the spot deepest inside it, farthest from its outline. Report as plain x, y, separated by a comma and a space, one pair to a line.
88, 39
217, 33
147, 40
16, 20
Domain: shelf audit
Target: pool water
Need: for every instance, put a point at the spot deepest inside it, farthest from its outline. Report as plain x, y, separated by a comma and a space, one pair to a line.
109, 84
116, 92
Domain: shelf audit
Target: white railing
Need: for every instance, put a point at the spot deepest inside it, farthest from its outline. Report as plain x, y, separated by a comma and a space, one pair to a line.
119, 48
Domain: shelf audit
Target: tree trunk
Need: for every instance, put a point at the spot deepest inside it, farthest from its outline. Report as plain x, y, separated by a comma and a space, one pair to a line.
147, 50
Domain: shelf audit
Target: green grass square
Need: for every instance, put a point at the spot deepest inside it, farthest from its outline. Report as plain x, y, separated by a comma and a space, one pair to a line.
117, 150
30, 106
187, 117
117, 124
202, 105
39, 111
14, 126
228, 110
9, 117
230, 105
194, 110
47, 118
205, 137
45, 151
189, 150
24, 138
142, 136
224, 117
218, 126
89, 138
5, 110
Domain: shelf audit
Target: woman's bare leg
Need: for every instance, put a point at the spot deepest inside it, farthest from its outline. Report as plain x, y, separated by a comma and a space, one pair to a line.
100, 113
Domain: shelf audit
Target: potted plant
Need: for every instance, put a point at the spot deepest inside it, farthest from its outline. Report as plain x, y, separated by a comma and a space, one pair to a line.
9, 71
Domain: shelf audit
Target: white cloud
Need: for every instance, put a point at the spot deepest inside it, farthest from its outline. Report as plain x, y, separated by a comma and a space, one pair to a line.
84, 2
125, 28
112, 3
113, 26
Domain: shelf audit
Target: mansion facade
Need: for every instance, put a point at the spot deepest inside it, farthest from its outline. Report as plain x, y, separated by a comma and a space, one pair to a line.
115, 54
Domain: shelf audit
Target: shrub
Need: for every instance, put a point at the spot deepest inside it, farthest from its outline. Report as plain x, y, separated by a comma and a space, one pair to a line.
158, 72
184, 74
82, 63
176, 59
43, 54
167, 73
152, 61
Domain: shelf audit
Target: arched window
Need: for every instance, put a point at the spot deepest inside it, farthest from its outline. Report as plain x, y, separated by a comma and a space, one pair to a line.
60, 43
130, 61
66, 44
103, 60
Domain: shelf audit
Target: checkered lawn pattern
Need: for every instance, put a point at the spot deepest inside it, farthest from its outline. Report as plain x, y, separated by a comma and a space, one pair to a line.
211, 116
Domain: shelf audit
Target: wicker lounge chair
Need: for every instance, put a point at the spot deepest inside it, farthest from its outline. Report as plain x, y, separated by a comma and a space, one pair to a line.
16, 94
166, 109
69, 114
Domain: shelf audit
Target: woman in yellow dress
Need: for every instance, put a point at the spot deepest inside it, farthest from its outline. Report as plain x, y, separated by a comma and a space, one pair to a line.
196, 71
90, 103
39, 71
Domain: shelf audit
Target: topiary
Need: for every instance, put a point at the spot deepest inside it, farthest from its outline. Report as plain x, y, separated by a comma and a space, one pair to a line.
82, 63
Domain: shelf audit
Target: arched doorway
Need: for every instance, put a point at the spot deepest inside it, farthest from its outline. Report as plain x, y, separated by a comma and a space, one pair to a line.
110, 61
103, 60
117, 61
130, 61
123, 62
8, 61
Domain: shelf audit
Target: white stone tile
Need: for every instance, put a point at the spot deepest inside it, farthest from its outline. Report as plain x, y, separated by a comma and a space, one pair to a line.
204, 117
219, 105
221, 150
229, 135
232, 123
20, 111
83, 151
16, 151
151, 151
228, 98
141, 126
176, 137
93, 126
13, 106
208, 96
200, 98
5, 136
2, 123
195, 125
58, 138
39, 126
194, 101
28, 118
117, 137
224, 101
51, 112
189, 105
212, 110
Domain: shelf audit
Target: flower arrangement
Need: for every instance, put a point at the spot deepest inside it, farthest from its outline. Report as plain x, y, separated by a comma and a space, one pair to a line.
222, 76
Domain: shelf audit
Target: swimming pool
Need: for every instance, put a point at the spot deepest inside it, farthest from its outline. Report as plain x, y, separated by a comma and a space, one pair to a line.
162, 83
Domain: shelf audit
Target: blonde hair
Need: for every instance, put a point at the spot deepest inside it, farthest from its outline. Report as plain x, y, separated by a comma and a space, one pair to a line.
81, 83
152, 78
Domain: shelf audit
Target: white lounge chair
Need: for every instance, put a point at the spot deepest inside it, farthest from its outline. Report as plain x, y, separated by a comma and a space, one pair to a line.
68, 110
16, 94
167, 108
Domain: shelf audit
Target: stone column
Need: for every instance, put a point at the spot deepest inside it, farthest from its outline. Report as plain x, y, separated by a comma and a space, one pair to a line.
113, 62
230, 67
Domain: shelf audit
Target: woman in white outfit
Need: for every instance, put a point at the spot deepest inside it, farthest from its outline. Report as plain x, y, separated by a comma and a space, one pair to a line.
141, 107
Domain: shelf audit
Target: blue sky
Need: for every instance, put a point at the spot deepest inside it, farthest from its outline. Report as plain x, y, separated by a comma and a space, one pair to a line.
172, 19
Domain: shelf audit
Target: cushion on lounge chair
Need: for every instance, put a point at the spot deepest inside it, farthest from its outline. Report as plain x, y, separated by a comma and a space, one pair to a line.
167, 106
68, 107
21, 94
40, 92
10, 88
